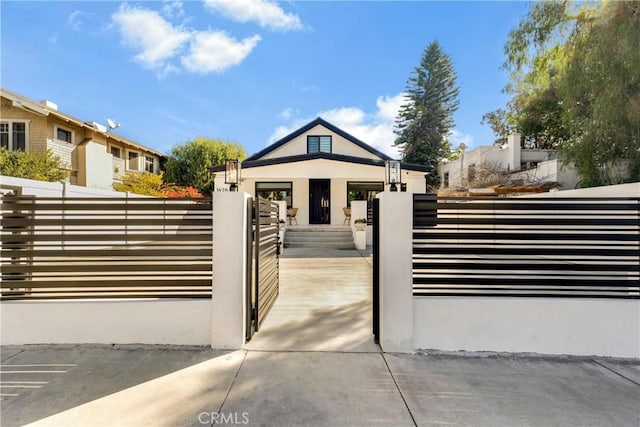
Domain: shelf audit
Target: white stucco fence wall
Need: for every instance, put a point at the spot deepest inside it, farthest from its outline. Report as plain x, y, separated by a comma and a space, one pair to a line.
171, 321
572, 326
32, 187
603, 327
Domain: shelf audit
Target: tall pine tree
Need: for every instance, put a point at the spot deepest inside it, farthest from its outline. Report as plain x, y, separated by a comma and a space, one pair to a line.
425, 120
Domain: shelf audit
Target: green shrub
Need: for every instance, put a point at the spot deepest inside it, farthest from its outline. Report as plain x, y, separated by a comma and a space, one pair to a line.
40, 166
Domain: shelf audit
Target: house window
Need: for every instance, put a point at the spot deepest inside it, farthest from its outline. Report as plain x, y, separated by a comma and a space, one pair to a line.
364, 191
64, 135
318, 144
471, 173
446, 180
13, 135
276, 191
132, 163
116, 152
149, 164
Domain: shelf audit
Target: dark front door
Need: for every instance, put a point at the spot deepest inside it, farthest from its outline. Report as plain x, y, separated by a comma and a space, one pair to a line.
319, 195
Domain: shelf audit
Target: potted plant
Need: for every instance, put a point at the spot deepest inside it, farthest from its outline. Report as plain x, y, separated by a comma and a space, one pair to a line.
360, 223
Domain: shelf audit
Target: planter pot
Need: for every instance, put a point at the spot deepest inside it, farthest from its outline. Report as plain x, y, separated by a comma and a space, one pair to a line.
360, 226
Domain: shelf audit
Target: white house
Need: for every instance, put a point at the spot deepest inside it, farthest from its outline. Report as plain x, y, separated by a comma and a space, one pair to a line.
319, 169
522, 164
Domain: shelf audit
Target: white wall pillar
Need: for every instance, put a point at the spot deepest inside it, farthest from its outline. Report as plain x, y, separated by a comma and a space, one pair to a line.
229, 267
396, 281
513, 143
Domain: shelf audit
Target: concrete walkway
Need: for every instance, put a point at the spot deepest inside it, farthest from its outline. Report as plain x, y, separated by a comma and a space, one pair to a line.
324, 303
313, 363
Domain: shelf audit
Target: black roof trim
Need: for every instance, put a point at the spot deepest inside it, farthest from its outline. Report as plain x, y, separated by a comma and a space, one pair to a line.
308, 126
246, 164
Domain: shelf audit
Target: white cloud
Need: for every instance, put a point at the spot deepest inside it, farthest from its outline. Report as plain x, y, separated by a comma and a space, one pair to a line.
264, 12
288, 113
156, 39
375, 129
216, 51
173, 8
389, 106
77, 18
456, 138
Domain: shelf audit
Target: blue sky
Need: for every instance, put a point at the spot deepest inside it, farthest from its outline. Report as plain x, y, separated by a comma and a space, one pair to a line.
250, 71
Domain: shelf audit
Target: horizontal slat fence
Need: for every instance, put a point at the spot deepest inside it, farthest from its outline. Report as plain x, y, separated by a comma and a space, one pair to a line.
70, 248
267, 257
526, 247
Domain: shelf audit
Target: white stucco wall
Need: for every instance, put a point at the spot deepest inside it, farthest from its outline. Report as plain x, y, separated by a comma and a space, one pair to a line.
339, 145
33, 187
161, 321
631, 189
95, 166
603, 327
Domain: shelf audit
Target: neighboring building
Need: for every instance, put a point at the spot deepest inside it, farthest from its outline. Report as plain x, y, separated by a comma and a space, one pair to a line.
95, 157
522, 165
319, 169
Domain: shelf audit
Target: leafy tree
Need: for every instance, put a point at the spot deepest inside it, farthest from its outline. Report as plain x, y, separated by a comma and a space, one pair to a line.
40, 166
575, 84
426, 119
601, 91
188, 164
500, 124
141, 183
153, 185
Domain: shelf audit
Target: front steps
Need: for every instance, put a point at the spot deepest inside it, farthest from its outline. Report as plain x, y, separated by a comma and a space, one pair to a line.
320, 236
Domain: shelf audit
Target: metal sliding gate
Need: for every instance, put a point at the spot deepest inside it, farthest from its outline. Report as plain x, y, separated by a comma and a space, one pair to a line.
263, 255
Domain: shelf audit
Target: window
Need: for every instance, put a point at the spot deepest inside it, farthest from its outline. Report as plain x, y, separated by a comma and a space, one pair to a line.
276, 191
133, 161
116, 152
364, 191
318, 144
149, 164
13, 135
64, 135
446, 180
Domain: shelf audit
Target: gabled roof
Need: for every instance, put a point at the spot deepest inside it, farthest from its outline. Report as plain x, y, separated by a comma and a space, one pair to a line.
246, 164
29, 104
310, 125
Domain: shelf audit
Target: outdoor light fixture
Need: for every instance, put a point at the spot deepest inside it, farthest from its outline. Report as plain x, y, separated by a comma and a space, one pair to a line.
232, 174
392, 169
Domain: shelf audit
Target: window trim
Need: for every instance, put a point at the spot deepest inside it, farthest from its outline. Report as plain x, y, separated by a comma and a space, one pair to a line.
153, 163
27, 124
127, 160
55, 134
319, 150
111, 147
255, 188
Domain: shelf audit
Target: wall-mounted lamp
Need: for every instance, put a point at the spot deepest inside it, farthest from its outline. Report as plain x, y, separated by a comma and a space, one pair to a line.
392, 174
232, 174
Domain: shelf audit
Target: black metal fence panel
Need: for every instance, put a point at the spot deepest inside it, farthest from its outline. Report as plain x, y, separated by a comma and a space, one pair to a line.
79, 248
526, 247
376, 269
267, 258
